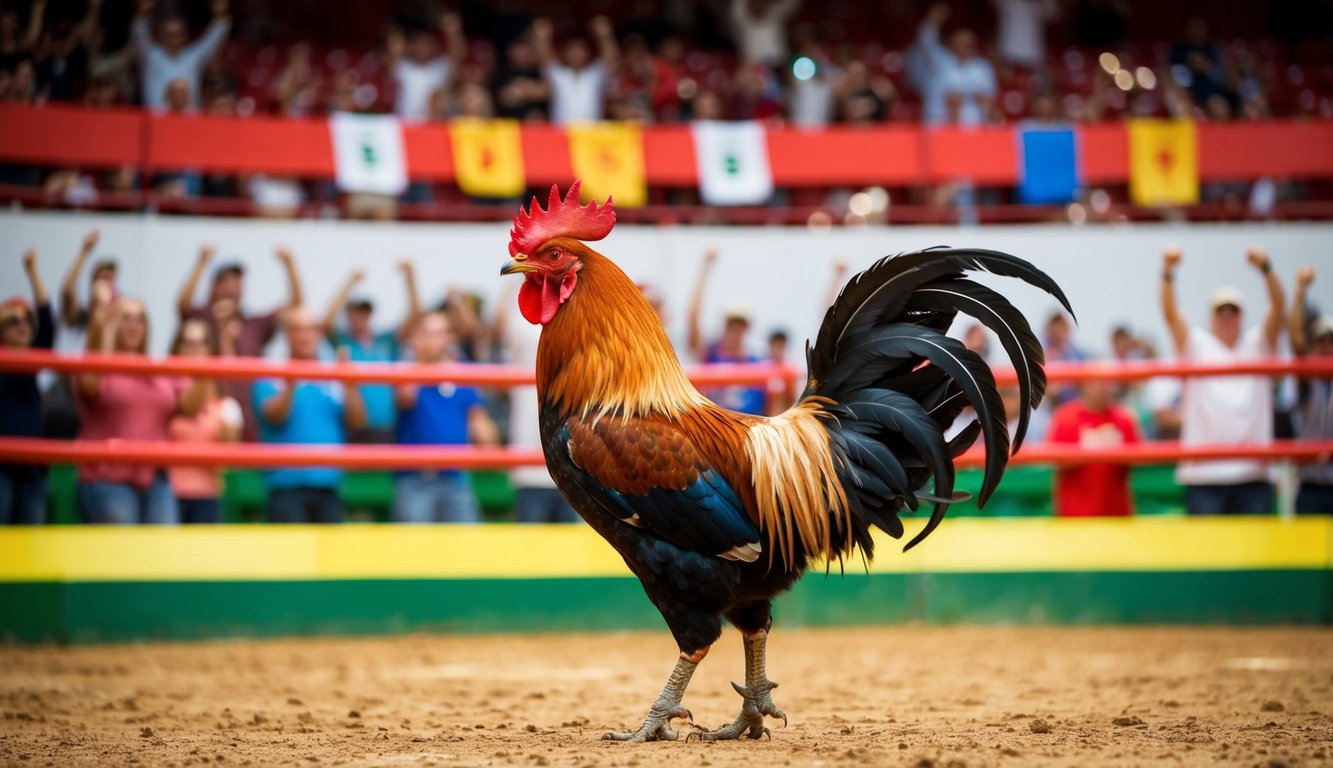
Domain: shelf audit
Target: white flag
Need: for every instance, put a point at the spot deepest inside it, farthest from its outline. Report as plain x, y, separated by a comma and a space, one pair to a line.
733, 162
368, 153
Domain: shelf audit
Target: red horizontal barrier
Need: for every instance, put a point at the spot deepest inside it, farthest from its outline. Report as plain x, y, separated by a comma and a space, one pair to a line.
892, 154
42, 451
12, 360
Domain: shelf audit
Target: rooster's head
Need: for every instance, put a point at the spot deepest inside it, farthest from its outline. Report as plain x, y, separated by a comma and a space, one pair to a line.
545, 248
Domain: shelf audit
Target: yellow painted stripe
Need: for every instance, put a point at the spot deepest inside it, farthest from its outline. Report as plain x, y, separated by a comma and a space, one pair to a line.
250, 553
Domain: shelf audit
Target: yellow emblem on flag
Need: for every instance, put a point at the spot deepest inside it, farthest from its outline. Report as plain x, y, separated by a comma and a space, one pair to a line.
608, 157
1163, 162
488, 157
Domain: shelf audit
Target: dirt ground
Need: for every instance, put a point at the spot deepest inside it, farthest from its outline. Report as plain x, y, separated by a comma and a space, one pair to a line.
909, 696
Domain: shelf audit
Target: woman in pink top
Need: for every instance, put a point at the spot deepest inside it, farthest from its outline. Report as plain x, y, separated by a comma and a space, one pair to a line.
218, 421
117, 406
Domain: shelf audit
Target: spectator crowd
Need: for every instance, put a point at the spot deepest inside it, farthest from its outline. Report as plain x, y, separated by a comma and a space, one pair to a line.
772, 60
1230, 410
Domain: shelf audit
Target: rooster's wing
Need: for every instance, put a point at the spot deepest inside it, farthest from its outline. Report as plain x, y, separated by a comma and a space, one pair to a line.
651, 474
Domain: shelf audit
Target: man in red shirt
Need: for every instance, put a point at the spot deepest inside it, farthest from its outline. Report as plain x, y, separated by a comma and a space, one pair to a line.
1094, 420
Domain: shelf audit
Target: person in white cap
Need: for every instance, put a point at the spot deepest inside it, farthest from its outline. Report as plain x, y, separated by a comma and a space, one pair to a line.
1225, 410
1314, 414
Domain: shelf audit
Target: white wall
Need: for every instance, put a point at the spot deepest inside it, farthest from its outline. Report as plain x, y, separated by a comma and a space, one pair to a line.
1110, 273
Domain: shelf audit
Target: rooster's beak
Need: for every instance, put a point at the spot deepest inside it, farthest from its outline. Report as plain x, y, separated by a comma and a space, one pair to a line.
517, 264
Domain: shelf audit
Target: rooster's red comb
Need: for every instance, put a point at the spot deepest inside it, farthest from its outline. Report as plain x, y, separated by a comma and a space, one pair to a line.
562, 218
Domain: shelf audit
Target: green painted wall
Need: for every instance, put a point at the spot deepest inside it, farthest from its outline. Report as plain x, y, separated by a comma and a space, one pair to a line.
93, 612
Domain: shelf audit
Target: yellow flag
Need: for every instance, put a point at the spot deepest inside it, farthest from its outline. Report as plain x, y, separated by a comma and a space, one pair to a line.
488, 157
609, 158
1163, 162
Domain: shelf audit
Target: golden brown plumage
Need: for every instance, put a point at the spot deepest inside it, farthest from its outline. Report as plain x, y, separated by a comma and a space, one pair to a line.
717, 512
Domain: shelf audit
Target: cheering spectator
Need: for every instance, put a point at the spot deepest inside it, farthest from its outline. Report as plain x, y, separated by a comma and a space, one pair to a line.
863, 98
1315, 407
1225, 410
418, 69
1058, 346
306, 412
730, 347
1094, 420
957, 84
74, 314
24, 326
123, 406
15, 47
365, 345
445, 414
781, 389
521, 91
218, 420
225, 313
578, 82
760, 28
172, 56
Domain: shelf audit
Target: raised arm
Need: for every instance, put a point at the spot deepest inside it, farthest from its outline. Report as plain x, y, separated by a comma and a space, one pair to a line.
214, 36
696, 340
542, 33
608, 49
1296, 320
194, 397
278, 406
928, 34
413, 299
1257, 255
451, 25
36, 15
340, 301
185, 299
140, 35
294, 297
1175, 322
835, 283
103, 321
69, 297
39, 295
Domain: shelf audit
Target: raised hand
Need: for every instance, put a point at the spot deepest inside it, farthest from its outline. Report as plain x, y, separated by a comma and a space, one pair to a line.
543, 28
451, 24
206, 253
1304, 277
600, 26
284, 255
357, 276
406, 267
90, 240
1171, 258
30, 260
1257, 256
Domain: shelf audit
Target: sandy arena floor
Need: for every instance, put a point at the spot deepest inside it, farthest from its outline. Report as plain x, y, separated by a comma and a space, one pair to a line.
910, 696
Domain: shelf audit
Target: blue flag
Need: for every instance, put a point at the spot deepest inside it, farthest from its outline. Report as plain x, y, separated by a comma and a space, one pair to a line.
1050, 165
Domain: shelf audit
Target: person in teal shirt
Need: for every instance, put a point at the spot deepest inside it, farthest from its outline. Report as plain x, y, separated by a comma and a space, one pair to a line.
364, 344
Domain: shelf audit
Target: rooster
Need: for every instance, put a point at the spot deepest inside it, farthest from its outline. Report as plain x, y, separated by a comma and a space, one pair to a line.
718, 512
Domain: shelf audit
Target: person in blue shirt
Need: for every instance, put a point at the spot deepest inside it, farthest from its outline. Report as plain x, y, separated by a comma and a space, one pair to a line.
306, 412
366, 345
440, 414
730, 347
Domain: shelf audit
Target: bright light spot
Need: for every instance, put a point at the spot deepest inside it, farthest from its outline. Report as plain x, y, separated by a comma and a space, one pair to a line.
1145, 77
1110, 62
819, 221
803, 68
1077, 213
1124, 80
860, 204
1100, 200
879, 199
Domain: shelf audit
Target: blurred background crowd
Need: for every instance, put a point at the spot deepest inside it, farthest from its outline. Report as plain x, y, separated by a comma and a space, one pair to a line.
788, 62
89, 314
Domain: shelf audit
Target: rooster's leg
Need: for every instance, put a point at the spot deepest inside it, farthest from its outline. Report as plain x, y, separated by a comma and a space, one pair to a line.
657, 726
757, 701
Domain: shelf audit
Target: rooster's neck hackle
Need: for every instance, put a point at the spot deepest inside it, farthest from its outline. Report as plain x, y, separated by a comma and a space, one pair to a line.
605, 352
